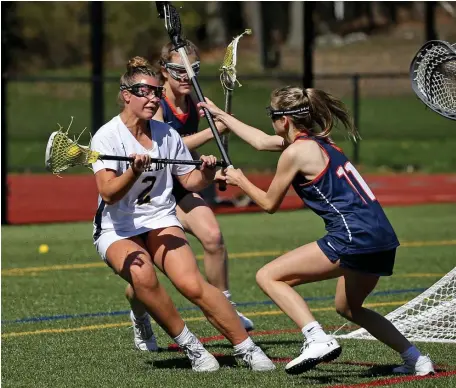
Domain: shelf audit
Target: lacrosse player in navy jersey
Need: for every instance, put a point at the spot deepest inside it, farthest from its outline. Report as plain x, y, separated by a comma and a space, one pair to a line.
136, 227
178, 109
360, 244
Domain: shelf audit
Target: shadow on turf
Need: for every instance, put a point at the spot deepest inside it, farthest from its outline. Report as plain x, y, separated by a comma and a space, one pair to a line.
264, 344
337, 376
184, 363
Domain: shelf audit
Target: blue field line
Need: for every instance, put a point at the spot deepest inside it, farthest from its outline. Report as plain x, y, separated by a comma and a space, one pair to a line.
126, 312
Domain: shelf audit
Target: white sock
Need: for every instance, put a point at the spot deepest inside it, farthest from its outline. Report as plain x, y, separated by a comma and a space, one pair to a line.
184, 336
411, 355
314, 332
227, 293
244, 345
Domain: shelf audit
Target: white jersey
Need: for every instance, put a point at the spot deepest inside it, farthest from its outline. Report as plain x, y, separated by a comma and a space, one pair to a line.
149, 204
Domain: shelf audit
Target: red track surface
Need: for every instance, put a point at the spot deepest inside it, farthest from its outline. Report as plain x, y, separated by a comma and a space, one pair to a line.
47, 198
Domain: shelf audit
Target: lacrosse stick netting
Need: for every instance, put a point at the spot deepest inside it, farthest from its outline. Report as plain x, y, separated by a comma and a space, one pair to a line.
433, 76
63, 152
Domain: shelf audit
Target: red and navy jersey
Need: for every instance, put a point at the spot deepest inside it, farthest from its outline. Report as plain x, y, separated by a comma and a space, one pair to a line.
185, 123
354, 219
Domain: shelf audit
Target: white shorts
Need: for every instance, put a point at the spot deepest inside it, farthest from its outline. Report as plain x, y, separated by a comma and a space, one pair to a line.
111, 236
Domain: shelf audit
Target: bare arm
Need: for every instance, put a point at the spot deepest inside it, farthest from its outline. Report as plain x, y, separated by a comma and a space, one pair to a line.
251, 135
270, 200
198, 139
202, 137
112, 188
198, 179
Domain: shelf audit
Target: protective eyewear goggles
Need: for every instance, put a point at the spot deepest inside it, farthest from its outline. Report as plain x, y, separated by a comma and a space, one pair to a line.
178, 72
273, 113
144, 90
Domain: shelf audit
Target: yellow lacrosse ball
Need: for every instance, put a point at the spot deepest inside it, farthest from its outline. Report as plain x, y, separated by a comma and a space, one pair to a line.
43, 248
73, 151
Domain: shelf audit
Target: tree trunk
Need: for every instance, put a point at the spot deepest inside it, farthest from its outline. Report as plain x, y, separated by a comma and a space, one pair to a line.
295, 35
216, 33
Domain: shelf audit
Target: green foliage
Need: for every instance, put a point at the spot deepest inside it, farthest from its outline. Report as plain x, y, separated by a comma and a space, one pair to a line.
57, 34
52, 33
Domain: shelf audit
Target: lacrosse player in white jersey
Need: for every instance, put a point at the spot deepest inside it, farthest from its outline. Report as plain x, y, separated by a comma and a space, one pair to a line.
136, 227
178, 110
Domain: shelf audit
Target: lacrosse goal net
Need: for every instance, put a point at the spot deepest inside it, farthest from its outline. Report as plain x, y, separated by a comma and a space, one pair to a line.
430, 317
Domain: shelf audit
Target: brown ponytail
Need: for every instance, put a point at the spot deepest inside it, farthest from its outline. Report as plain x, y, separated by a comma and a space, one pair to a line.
324, 110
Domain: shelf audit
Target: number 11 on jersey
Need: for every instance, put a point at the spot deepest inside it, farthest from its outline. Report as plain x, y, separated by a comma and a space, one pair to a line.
348, 168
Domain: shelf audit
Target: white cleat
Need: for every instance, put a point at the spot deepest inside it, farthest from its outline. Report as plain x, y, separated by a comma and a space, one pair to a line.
312, 354
422, 367
246, 322
201, 359
256, 359
144, 336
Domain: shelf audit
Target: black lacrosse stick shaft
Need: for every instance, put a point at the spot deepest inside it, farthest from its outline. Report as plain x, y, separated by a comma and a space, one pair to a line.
228, 105
173, 25
210, 120
160, 161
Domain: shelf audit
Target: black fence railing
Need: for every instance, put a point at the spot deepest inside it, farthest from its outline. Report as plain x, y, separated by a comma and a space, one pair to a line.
97, 107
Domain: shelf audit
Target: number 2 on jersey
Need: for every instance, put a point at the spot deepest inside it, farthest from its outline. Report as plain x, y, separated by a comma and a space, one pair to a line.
144, 196
348, 168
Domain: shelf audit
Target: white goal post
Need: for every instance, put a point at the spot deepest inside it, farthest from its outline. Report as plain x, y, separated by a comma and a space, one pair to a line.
430, 317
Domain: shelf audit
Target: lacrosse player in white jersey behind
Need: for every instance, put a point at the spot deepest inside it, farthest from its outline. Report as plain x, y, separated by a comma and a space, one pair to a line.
136, 226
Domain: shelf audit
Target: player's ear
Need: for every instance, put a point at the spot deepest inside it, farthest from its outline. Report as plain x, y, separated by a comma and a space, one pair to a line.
126, 96
164, 72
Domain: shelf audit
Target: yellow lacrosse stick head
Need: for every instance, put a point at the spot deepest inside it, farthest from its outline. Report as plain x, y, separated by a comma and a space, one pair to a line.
63, 152
228, 68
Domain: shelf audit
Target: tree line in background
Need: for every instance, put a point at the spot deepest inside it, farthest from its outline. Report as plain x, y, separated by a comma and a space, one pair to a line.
52, 35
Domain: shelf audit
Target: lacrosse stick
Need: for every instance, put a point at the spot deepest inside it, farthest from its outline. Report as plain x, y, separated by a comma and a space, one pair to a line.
173, 26
63, 153
229, 80
433, 76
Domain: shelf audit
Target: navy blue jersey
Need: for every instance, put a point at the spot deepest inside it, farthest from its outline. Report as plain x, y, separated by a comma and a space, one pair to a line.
185, 124
353, 217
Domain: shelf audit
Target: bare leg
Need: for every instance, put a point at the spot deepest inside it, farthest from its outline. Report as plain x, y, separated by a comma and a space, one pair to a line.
137, 307
198, 219
352, 289
172, 254
302, 265
132, 262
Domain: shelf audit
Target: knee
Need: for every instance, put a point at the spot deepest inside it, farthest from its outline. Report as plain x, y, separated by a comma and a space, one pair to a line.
263, 278
347, 311
343, 311
191, 288
212, 240
144, 279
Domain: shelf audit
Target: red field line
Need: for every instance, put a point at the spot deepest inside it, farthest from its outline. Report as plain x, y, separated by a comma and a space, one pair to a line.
376, 383
396, 380
36, 198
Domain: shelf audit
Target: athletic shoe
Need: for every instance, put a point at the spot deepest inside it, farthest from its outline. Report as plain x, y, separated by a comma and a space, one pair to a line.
201, 359
246, 322
144, 336
422, 367
255, 359
313, 353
